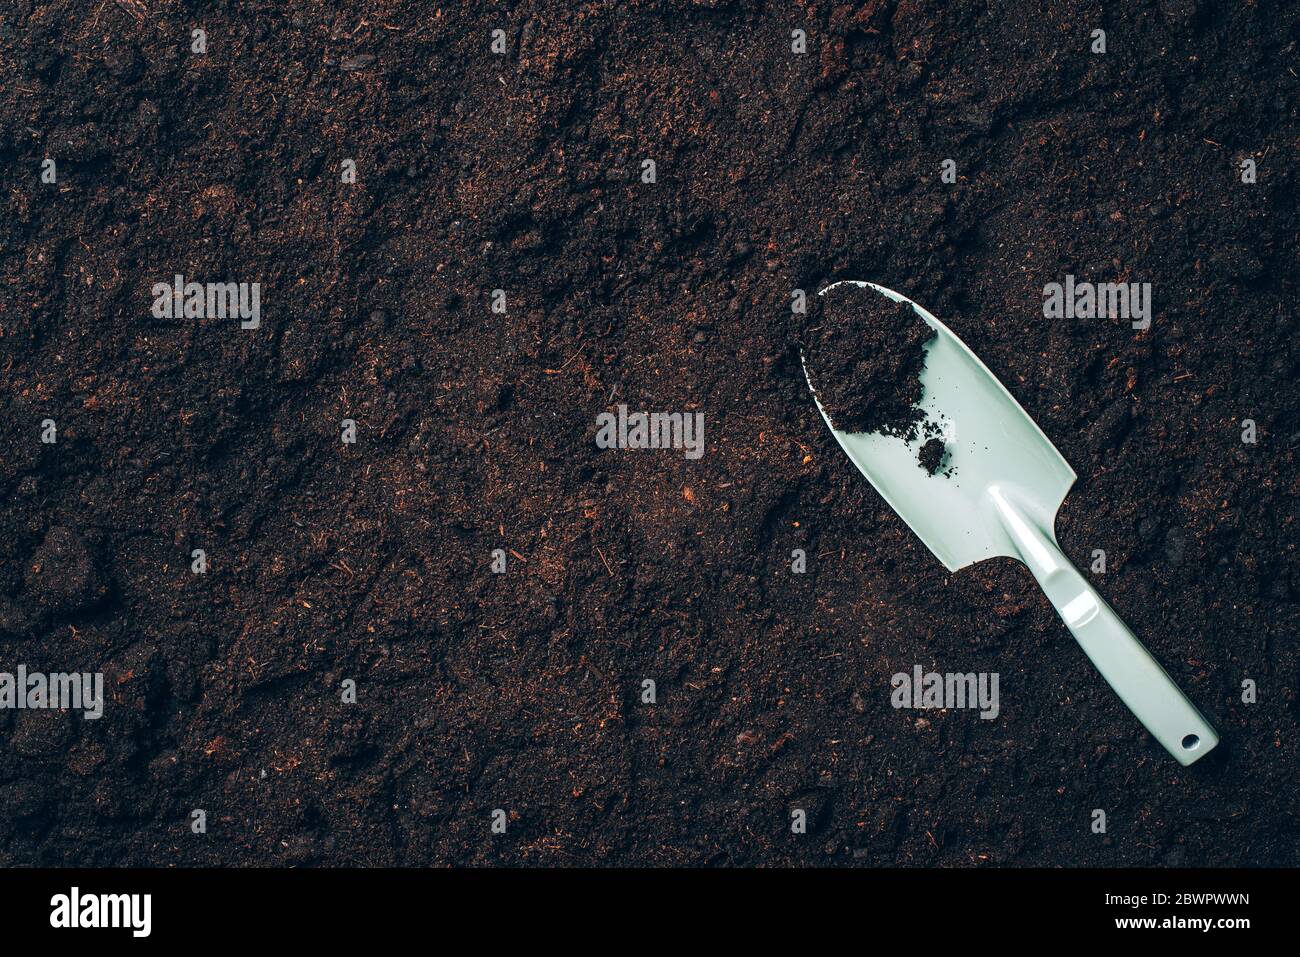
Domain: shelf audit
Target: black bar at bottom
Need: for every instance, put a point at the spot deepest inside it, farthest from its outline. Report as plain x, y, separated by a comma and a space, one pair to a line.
332, 907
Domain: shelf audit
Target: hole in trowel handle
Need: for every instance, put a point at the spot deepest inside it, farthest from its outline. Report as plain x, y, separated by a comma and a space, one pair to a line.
1191, 742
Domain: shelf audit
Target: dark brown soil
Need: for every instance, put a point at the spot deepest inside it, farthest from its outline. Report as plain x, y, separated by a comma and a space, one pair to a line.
930, 457
865, 354
523, 691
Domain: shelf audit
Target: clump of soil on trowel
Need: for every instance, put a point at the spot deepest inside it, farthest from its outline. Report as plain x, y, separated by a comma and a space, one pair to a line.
931, 455
934, 449
864, 355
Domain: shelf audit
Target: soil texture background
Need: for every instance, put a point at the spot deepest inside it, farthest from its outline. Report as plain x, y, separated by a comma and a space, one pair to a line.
522, 691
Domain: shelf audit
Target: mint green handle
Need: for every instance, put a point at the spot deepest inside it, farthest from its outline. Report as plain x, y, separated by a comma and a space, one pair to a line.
1127, 666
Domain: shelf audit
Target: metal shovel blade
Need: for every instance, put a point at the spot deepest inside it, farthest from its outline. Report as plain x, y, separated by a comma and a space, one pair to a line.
997, 493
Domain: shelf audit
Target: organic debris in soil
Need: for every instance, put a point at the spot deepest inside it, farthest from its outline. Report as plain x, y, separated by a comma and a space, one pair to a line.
865, 358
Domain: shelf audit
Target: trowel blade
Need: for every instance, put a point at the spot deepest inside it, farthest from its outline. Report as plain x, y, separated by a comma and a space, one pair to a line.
991, 442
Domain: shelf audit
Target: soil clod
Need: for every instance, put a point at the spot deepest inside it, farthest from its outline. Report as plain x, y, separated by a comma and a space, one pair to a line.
931, 455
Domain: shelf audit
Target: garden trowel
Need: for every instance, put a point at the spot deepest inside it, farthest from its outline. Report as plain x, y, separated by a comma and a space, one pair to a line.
998, 492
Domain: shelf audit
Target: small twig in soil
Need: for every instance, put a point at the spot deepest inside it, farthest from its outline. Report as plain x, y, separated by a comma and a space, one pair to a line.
136, 8
563, 367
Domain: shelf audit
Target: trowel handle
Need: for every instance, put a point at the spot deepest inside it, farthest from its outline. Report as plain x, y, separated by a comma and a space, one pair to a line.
1122, 660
